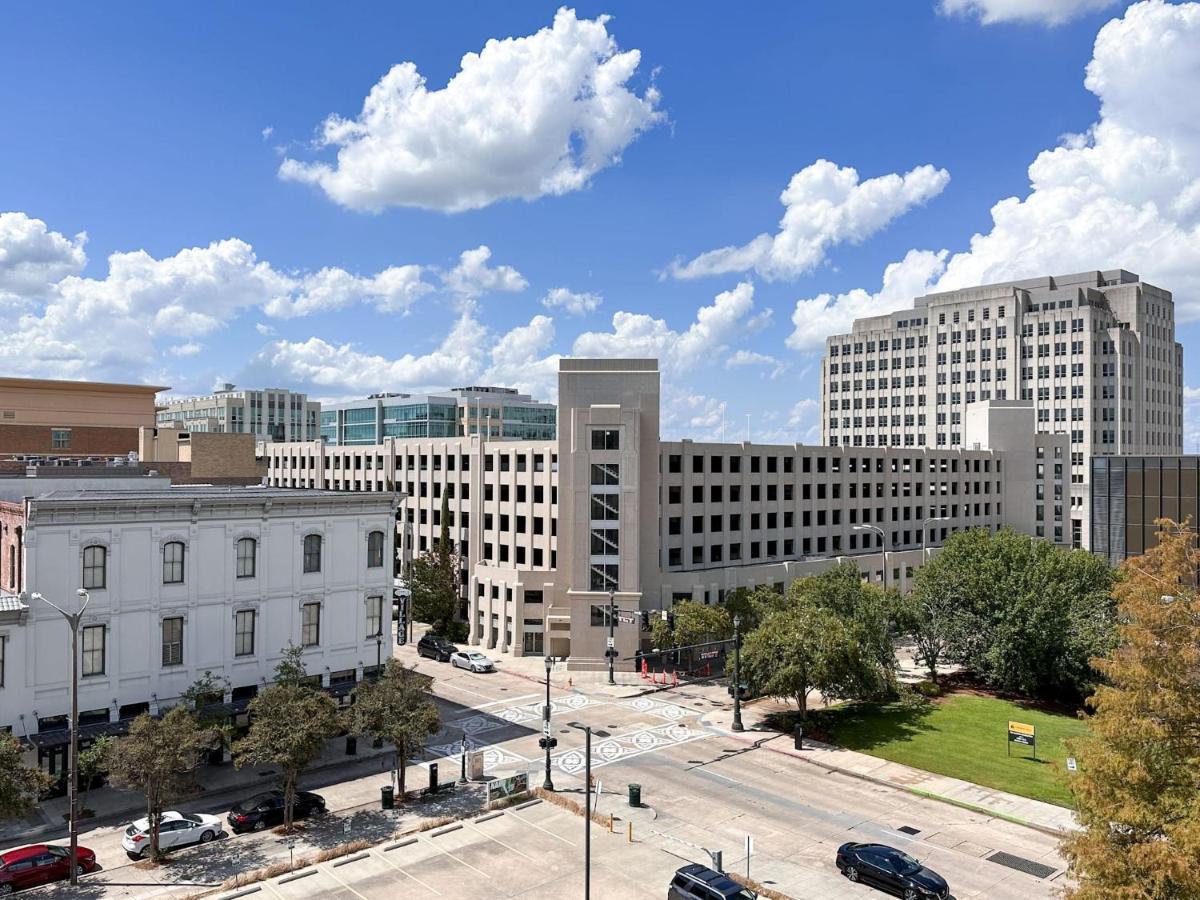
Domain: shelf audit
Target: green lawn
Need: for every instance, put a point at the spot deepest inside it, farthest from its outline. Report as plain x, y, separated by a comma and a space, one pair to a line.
962, 736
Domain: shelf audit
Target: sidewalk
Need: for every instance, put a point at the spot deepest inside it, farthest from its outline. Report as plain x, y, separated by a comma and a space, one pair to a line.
1044, 817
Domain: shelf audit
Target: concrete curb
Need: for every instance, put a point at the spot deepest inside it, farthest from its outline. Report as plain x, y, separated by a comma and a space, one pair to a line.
862, 776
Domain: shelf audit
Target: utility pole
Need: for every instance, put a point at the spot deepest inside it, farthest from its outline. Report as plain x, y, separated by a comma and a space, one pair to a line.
73, 620
882, 547
612, 641
547, 741
737, 676
587, 809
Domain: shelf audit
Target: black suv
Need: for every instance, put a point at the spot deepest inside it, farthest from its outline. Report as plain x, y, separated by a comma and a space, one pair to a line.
696, 882
435, 647
266, 809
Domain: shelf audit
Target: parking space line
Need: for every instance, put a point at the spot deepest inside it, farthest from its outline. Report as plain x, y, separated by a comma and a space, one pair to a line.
485, 875
540, 828
472, 826
330, 874
408, 874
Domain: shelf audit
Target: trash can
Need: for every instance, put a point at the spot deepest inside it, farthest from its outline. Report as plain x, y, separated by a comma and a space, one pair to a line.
387, 797
635, 795
433, 778
351, 745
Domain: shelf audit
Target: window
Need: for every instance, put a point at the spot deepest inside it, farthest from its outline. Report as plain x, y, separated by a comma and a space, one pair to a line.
374, 616
60, 438
246, 553
310, 624
604, 577
606, 474
93, 650
173, 562
172, 641
606, 439
606, 507
243, 633
312, 553
374, 549
94, 567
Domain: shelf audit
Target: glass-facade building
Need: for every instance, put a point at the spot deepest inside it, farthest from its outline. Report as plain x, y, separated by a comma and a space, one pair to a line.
1130, 493
497, 412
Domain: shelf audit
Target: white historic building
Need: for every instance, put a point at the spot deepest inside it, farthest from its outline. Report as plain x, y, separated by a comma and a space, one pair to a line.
184, 581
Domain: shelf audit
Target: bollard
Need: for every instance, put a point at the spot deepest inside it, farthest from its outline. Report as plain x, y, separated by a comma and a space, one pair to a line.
610, 823
433, 782
629, 834
798, 734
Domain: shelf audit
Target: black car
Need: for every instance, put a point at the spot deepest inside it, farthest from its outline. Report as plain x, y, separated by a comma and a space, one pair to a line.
435, 647
891, 870
696, 882
266, 809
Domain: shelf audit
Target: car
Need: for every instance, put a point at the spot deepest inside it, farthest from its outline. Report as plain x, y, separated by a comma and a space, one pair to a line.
697, 882
41, 864
266, 809
469, 659
891, 870
176, 829
435, 647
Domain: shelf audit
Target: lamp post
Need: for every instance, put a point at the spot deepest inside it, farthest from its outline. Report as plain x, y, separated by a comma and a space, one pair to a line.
379, 654
882, 546
923, 531
73, 620
547, 784
462, 778
737, 676
587, 809
611, 650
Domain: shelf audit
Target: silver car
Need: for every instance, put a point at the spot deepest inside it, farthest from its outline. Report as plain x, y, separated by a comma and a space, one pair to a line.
472, 660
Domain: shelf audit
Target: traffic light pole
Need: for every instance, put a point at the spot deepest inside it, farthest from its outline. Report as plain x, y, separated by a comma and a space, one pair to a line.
612, 643
737, 676
547, 784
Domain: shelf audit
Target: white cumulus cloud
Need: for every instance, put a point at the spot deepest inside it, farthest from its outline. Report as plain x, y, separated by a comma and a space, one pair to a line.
394, 289
575, 303
1045, 12
32, 257
473, 276
817, 318
642, 335
524, 117
824, 205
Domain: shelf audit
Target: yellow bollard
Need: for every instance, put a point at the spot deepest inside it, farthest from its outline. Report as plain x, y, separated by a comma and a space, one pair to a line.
610, 823
629, 834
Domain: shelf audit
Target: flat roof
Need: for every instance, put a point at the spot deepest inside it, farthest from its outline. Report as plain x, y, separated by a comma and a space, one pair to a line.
209, 492
50, 384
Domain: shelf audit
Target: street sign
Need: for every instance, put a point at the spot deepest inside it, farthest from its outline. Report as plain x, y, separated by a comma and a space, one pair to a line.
1025, 735
709, 654
627, 618
1072, 766
612, 642
546, 729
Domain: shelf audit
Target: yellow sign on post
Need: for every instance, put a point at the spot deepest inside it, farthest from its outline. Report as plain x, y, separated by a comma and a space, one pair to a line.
1020, 733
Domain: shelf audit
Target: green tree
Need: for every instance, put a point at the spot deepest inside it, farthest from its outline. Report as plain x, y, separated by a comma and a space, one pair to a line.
205, 697
1137, 785
397, 708
751, 605
1030, 615
289, 724
290, 670
158, 758
694, 624
92, 762
433, 579
20, 784
866, 611
928, 614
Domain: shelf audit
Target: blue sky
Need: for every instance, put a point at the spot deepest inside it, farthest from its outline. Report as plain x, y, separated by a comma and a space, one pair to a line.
600, 157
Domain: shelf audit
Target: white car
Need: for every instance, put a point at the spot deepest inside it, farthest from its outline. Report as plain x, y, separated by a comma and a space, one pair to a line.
175, 830
475, 662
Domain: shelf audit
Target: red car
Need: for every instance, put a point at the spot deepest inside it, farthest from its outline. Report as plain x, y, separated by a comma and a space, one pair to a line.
40, 864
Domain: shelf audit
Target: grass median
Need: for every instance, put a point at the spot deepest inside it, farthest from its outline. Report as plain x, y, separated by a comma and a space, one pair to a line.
963, 736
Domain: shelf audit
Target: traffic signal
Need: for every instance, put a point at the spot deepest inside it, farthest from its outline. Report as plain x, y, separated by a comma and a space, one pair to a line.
645, 617
671, 620
547, 743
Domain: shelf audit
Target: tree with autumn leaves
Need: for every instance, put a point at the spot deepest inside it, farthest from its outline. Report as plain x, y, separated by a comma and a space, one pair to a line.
1137, 790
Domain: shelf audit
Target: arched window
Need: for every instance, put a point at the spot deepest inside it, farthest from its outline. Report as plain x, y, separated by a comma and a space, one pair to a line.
173, 562
374, 549
247, 549
312, 553
95, 567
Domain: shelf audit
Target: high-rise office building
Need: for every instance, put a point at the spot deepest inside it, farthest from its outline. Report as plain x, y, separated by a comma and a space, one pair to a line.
488, 411
270, 414
1094, 353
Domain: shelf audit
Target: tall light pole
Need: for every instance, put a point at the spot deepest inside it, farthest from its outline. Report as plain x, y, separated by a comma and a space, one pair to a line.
547, 784
882, 546
923, 531
73, 620
612, 643
737, 676
587, 809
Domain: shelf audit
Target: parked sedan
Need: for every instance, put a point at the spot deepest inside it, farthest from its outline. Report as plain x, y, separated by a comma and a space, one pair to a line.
41, 864
435, 647
891, 870
175, 830
266, 810
475, 662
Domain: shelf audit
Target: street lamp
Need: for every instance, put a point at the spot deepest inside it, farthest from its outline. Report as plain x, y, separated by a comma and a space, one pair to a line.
611, 650
547, 784
882, 546
737, 676
923, 530
73, 620
587, 809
